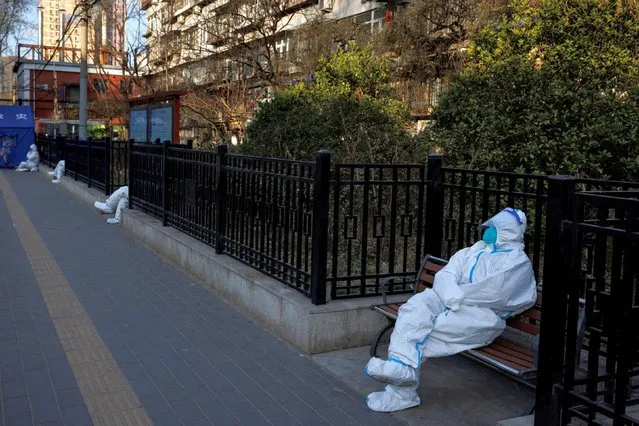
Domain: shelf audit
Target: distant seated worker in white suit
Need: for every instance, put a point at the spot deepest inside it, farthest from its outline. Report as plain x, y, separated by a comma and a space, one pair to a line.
471, 298
115, 203
33, 160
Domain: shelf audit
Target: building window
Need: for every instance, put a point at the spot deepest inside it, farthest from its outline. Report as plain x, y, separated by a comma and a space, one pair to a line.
100, 86
71, 93
126, 86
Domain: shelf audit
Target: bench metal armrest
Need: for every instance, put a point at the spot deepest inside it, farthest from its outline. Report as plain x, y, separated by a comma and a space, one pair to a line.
386, 282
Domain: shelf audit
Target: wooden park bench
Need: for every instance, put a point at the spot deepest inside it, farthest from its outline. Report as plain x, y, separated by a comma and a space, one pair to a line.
512, 353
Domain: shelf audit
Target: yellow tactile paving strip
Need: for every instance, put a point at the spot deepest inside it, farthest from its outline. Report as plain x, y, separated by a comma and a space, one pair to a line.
107, 393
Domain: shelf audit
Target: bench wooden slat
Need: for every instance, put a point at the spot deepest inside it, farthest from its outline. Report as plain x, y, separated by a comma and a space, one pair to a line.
524, 352
427, 278
523, 326
494, 352
432, 266
389, 310
533, 313
518, 352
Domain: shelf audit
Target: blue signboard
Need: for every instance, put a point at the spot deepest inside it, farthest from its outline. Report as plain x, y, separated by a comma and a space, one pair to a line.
162, 123
138, 124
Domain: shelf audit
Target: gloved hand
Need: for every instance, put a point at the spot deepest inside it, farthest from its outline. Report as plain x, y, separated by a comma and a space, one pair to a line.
454, 305
449, 293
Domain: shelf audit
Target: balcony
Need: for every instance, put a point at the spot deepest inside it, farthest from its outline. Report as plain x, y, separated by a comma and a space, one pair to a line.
145, 4
290, 6
66, 55
217, 40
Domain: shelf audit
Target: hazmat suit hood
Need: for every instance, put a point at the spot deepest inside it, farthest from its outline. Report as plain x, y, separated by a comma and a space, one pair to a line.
33, 147
510, 225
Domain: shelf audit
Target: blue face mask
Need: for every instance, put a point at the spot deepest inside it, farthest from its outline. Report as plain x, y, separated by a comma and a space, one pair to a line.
490, 235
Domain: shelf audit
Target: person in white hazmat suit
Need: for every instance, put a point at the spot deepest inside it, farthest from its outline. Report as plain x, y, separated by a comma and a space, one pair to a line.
33, 160
115, 203
58, 172
471, 298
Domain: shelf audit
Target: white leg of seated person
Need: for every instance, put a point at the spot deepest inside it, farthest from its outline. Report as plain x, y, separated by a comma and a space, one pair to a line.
112, 202
414, 323
23, 166
394, 398
122, 204
58, 172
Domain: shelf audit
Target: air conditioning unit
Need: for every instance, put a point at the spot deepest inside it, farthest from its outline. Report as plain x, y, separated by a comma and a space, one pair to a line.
180, 19
326, 5
197, 10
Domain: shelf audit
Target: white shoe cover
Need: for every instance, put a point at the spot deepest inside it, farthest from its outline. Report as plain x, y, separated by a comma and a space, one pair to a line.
393, 398
55, 181
113, 221
392, 371
103, 207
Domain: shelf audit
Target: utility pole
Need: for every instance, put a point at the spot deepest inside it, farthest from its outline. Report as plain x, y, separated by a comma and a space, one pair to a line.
84, 41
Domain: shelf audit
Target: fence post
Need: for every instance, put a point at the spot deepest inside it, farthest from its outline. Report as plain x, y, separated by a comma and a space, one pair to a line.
62, 151
552, 332
107, 166
165, 182
130, 178
89, 140
220, 198
189, 143
434, 206
319, 249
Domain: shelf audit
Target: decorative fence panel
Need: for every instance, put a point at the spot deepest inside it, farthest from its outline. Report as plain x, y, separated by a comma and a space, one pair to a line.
377, 227
146, 179
268, 216
191, 184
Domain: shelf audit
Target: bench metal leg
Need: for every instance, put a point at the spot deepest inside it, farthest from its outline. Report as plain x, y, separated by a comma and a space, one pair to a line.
531, 410
379, 336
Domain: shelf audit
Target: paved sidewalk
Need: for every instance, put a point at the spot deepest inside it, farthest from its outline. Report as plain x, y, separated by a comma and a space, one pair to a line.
188, 357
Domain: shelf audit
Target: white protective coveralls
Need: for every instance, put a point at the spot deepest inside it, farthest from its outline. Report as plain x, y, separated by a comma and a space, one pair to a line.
58, 172
115, 203
33, 160
471, 298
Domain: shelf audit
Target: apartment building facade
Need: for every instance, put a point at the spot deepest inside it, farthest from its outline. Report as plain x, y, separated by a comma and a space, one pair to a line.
240, 50
199, 41
59, 26
6, 79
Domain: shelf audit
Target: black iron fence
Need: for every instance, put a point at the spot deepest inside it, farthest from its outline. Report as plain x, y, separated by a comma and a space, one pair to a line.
591, 254
101, 164
261, 211
371, 221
